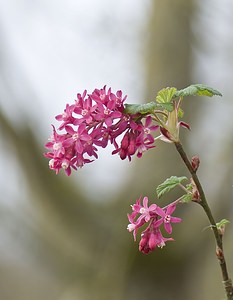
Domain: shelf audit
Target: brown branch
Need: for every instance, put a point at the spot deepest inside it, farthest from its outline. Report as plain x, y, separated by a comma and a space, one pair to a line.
218, 237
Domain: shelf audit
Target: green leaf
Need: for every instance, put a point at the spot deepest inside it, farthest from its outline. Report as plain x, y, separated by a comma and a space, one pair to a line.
189, 187
140, 108
197, 90
180, 113
167, 106
166, 95
222, 223
186, 198
168, 185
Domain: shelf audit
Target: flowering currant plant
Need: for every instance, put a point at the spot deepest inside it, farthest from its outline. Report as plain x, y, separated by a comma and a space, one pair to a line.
101, 118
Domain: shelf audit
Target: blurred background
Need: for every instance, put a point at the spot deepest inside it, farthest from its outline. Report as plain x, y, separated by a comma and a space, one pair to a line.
65, 238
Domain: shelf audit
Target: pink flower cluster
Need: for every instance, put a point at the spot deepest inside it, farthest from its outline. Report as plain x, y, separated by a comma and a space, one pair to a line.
93, 121
155, 216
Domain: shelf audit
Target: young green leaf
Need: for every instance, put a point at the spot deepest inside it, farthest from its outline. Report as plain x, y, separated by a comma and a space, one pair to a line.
168, 185
186, 198
166, 95
222, 223
197, 90
180, 113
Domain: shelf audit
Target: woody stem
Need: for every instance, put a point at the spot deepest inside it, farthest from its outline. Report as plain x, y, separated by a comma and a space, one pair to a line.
218, 237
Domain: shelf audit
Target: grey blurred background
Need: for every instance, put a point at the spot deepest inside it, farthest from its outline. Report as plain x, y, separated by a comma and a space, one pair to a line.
65, 238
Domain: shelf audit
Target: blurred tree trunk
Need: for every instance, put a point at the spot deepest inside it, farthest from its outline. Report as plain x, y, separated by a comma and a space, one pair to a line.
168, 62
167, 59
169, 274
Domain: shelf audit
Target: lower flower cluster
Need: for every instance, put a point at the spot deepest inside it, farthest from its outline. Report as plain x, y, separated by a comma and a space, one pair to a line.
155, 217
95, 120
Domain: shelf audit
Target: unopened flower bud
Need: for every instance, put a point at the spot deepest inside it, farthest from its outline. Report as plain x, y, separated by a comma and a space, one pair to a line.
221, 230
219, 253
166, 134
195, 193
195, 162
125, 141
132, 147
144, 242
196, 196
122, 154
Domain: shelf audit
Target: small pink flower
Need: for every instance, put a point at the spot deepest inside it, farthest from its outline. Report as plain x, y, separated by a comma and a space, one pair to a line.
166, 217
148, 128
107, 114
147, 212
84, 109
66, 117
150, 239
143, 144
77, 138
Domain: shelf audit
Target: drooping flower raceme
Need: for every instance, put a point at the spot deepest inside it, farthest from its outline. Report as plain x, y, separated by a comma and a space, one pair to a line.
156, 217
93, 121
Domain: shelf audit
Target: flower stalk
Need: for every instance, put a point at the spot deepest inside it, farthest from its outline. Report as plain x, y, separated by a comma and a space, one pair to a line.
218, 236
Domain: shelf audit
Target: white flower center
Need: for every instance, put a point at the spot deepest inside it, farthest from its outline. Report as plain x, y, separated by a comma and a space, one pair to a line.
142, 210
130, 227
75, 136
107, 111
57, 146
51, 139
102, 97
167, 219
64, 115
84, 112
146, 130
51, 163
161, 245
65, 164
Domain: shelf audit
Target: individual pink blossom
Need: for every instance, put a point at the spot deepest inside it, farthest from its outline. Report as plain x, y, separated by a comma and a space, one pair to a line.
78, 138
147, 212
66, 117
55, 143
166, 217
107, 113
149, 128
152, 238
84, 109
143, 144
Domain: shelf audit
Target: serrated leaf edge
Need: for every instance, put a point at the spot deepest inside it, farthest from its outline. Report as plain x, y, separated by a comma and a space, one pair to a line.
169, 187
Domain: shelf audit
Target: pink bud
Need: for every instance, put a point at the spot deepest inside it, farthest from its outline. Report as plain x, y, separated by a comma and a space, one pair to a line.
143, 244
195, 162
195, 193
125, 141
132, 147
166, 133
122, 154
219, 253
